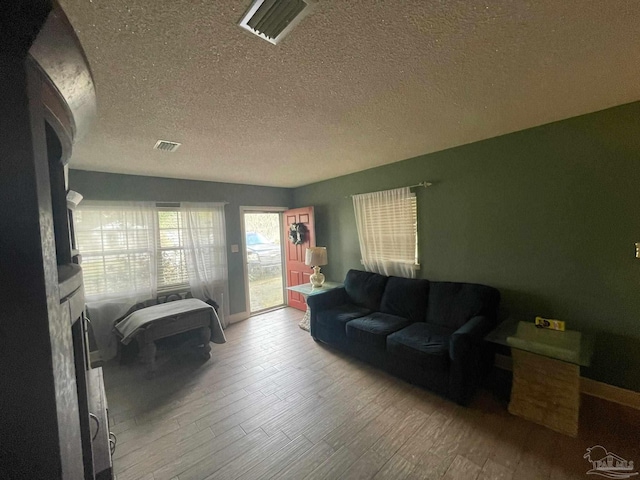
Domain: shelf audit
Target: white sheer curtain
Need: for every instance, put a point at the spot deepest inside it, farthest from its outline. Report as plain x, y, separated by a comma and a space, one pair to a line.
387, 231
117, 241
206, 253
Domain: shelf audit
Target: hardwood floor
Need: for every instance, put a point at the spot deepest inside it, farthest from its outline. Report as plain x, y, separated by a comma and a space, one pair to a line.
272, 403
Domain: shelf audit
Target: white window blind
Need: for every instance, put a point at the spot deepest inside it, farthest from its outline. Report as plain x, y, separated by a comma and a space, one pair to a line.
117, 243
387, 225
172, 261
139, 247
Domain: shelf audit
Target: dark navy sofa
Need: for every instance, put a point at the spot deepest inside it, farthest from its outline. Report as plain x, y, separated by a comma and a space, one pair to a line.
428, 333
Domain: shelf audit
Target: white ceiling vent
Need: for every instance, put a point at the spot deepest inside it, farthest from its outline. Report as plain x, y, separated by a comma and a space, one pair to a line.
271, 20
166, 146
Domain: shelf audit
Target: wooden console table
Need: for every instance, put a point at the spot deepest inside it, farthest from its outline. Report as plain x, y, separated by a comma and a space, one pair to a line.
306, 290
546, 373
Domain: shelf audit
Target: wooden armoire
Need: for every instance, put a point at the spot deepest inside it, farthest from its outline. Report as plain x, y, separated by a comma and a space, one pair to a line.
53, 422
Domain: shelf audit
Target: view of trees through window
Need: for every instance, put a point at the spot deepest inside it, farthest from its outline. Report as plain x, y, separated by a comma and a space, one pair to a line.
122, 247
267, 224
172, 262
116, 246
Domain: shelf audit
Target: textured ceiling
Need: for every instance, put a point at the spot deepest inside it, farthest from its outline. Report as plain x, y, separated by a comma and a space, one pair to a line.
356, 85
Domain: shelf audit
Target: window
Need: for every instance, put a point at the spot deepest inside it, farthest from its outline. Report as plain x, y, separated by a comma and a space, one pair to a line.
172, 260
131, 249
117, 245
256, 238
387, 225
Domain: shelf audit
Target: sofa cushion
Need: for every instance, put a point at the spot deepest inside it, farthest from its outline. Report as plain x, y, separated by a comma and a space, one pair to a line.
373, 329
452, 304
365, 288
406, 297
424, 344
340, 315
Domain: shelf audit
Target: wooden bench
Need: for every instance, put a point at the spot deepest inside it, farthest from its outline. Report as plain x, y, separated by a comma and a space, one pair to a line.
169, 326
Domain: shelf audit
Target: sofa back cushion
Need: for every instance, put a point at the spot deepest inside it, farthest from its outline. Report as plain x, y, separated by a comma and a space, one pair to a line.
365, 288
406, 297
452, 304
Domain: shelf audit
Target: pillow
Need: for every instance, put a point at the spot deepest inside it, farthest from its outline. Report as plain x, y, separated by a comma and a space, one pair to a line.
406, 298
365, 288
452, 304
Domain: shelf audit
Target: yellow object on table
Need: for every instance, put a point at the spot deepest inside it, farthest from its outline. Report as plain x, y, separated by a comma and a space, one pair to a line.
550, 324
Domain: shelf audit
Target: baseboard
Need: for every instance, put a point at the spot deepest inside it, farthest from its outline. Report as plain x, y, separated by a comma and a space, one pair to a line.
590, 387
237, 317
622, 396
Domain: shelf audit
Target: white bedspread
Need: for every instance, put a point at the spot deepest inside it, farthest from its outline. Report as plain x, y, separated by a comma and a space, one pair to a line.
128, 328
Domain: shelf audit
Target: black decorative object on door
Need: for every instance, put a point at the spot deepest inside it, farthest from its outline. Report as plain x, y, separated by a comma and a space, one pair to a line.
296, 233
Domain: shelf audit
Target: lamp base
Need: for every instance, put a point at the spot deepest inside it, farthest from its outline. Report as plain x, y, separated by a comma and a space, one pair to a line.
317, 278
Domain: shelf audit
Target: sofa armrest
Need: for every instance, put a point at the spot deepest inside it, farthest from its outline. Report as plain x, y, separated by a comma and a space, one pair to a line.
468, 336
328, 299
471, 358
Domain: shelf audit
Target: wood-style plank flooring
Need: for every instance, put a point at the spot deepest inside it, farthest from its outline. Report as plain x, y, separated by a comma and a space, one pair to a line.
272, 403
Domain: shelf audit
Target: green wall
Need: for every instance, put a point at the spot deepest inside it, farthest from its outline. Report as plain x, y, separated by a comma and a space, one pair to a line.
109, 186
547, 215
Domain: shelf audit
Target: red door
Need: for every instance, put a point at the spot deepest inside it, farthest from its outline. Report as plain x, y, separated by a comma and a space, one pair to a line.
297, 272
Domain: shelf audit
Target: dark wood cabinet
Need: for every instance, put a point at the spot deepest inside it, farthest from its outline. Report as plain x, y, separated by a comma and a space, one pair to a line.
51, 401
101, 454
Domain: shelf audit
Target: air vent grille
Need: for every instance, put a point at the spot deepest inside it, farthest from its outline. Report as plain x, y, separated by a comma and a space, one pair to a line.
166, 146
273, 19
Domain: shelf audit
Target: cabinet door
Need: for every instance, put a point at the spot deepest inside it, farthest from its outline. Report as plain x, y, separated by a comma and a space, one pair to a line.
102, 465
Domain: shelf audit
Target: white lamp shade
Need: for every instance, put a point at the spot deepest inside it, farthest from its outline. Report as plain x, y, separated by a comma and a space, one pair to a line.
316, 256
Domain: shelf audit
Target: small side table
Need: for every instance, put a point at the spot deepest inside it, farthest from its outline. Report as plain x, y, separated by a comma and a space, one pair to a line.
306, 290
546, 373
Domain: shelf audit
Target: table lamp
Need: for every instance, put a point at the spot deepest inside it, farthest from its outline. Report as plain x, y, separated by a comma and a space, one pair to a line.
316, 257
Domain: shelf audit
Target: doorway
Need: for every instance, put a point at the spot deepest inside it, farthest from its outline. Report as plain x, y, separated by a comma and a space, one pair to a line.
263, 259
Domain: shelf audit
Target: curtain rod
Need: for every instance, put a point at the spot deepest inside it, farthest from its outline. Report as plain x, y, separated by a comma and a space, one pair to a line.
177, 204
421, 184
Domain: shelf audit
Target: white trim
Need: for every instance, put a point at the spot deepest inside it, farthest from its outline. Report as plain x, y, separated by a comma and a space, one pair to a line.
260, 209
415, 266
245, 266
243, 249
237, 317
588, 386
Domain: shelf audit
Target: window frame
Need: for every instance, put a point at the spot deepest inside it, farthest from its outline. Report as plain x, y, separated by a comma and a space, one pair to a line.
106, 257
387, 226
98, 251
383, 255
